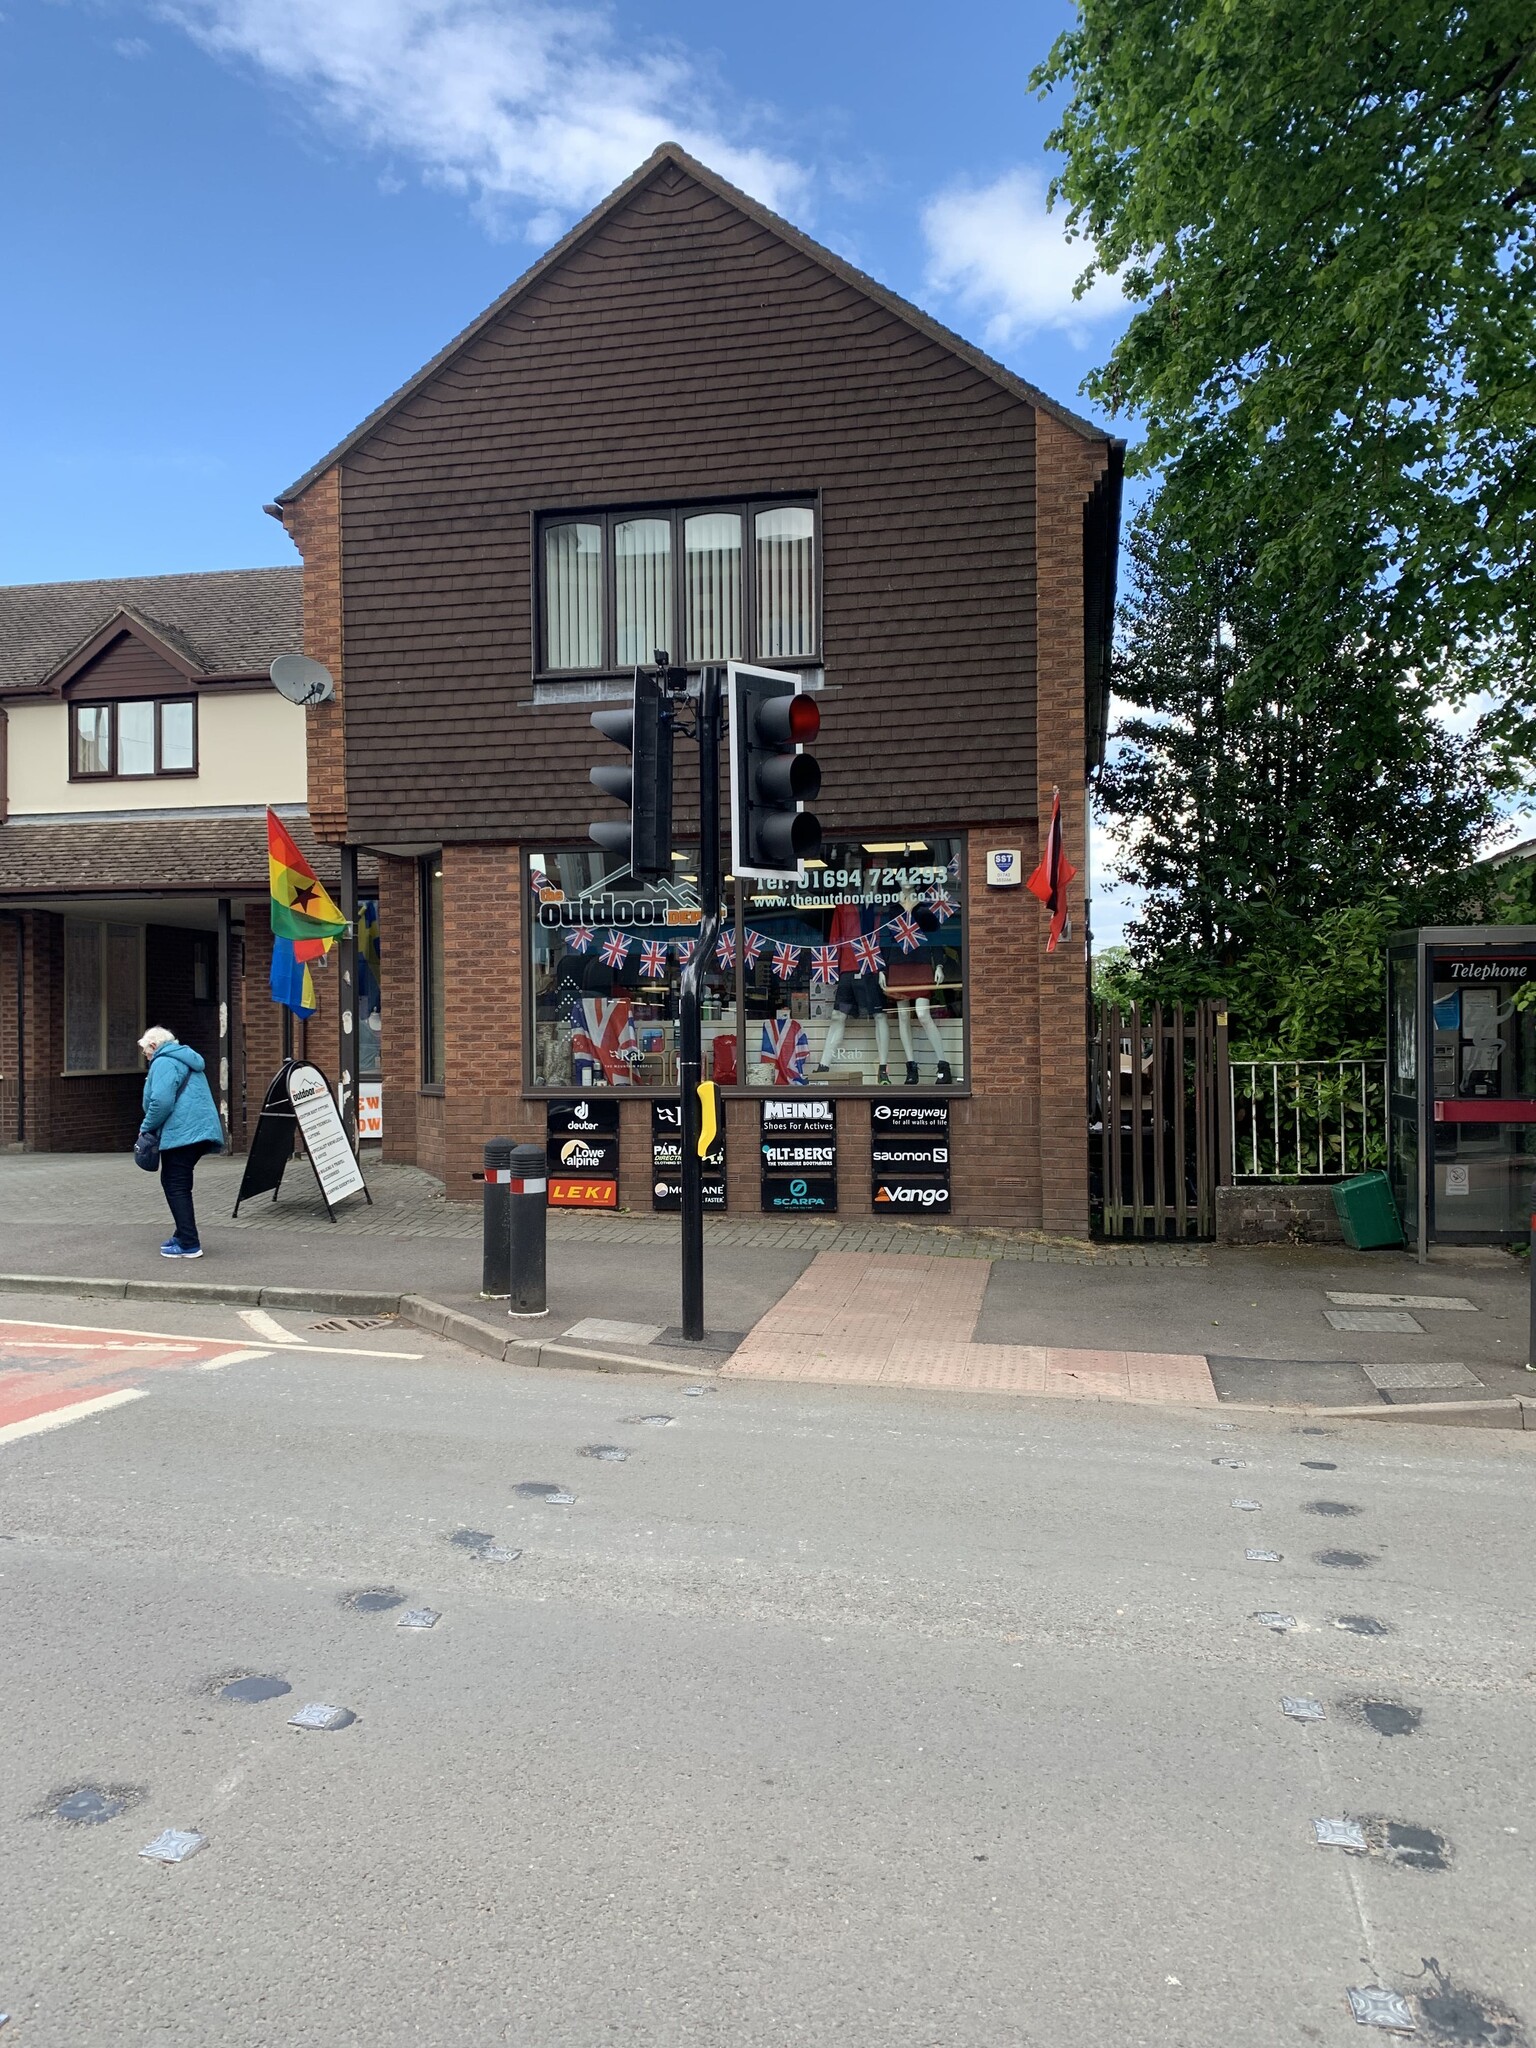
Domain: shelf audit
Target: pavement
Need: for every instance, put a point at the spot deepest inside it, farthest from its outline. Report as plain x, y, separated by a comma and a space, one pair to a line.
1135, 1322
826, 1714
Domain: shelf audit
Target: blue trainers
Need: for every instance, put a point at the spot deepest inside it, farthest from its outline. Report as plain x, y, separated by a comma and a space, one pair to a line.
172, 1250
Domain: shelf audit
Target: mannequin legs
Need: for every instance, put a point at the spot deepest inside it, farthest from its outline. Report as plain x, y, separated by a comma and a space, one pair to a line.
930, 1031
833, 1043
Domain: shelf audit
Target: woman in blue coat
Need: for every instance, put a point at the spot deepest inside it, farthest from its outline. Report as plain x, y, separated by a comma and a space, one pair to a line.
179, 1110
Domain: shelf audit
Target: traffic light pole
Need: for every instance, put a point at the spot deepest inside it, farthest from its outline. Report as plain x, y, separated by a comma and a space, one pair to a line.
690, 1062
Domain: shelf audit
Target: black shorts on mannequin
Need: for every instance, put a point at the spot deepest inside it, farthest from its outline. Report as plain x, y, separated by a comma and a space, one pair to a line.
859, 995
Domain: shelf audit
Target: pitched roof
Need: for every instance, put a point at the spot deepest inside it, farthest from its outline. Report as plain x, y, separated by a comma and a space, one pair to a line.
96, 857
226, 622
673, 153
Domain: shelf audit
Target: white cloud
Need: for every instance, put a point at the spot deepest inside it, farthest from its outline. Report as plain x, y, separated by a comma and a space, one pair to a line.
528, 108
999, 253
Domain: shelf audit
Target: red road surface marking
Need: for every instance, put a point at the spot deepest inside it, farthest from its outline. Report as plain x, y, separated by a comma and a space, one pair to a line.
52, 1373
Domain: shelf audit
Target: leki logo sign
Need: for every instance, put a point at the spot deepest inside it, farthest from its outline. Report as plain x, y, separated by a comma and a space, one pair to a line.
584, 1194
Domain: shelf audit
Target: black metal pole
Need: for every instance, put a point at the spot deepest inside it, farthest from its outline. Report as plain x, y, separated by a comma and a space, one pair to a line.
690, 1061
528, 1192
496, 1221
346, 999
1531, 1338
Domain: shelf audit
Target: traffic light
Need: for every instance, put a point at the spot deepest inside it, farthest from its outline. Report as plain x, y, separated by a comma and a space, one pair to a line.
772, 776
645, 838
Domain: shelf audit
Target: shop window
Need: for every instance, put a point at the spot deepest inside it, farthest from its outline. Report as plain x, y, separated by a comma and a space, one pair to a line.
852, 977
133, 739
204, 955
103, 996
707, 583
432, 985
607, 959
370, 992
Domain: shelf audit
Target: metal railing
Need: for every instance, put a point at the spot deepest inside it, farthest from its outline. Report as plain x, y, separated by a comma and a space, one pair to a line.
1307, 1119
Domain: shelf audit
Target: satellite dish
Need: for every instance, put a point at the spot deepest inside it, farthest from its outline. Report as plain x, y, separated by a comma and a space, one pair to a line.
301, 680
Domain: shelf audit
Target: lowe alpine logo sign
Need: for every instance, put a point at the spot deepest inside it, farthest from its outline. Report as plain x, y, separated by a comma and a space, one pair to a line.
909, 1158
799, 1156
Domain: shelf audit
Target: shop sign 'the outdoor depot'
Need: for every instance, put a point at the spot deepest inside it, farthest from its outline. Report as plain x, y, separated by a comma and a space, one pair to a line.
583, 1152
909, 1158
799, 1148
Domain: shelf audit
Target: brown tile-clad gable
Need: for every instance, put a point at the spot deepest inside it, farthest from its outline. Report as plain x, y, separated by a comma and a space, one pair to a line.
684, 347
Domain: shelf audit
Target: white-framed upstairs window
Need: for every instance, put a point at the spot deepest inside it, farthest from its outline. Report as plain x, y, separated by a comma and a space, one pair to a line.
103, 996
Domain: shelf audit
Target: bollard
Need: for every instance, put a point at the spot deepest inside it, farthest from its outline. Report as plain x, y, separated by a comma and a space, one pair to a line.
496, 1254
528, 1188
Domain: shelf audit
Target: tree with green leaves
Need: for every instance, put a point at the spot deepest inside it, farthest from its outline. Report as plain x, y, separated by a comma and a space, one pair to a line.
1325, 213
1281, 811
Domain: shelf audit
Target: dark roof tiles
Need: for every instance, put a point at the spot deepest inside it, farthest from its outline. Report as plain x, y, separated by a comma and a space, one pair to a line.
226, 621
95, 856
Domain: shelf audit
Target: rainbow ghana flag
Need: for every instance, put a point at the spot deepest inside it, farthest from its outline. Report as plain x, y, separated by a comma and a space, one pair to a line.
305, 921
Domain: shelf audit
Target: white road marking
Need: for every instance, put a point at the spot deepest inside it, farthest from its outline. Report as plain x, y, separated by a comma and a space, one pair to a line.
264, 1325
55, 1418
230, 1358
181, 1341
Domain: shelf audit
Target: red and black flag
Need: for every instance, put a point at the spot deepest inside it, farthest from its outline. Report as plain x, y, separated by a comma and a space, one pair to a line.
1049, 881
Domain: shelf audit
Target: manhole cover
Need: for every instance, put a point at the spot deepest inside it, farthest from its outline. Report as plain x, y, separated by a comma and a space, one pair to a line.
174, 1845
419, 1617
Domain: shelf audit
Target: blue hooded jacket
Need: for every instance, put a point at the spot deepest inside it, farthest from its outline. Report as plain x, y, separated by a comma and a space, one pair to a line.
178, 1103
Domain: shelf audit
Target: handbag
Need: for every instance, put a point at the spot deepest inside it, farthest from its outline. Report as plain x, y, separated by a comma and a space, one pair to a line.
146, 1151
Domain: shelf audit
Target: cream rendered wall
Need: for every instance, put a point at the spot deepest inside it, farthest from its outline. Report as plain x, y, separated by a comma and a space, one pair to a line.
250, 747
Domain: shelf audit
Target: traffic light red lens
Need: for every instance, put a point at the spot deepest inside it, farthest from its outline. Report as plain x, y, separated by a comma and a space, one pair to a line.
804, 719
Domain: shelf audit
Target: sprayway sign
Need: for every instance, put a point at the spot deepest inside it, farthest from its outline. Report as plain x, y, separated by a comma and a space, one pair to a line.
909, 1158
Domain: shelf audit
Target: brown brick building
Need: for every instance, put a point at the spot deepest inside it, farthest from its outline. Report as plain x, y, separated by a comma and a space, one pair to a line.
688, 426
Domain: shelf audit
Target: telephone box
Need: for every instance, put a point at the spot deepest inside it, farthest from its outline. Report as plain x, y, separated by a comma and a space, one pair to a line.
1461, 1082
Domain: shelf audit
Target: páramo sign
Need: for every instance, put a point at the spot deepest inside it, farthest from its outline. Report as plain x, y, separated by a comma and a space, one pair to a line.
667, 1162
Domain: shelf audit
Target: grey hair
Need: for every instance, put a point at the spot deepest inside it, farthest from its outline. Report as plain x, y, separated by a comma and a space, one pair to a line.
154, 1038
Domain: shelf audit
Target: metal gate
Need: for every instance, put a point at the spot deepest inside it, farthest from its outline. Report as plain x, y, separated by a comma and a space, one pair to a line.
1158, 1109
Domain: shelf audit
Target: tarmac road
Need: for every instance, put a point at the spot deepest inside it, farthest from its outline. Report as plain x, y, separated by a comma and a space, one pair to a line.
828, 1715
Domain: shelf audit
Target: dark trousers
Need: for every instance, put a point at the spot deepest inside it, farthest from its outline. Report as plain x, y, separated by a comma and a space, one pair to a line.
177, 1167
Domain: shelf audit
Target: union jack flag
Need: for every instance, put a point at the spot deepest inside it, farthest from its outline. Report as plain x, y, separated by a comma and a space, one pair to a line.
823, 966
908, 937
580, 940
785, 960
653, 960
952, 865
615, 949
785, 1047
753, 947
942, 904
602, 1030
540, 884
866, 953
725, 949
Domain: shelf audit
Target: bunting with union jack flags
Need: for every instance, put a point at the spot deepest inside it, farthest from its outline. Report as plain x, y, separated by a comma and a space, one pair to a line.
725, 949
785, 960
653, 960
823, 966
866, 954
615, 949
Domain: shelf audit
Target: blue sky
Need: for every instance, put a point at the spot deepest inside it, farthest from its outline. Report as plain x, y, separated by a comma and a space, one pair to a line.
232, 226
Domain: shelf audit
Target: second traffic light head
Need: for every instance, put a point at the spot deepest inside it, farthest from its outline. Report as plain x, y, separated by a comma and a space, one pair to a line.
645, 783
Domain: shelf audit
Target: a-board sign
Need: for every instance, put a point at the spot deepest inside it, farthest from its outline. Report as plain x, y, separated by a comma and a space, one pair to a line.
909, 1158
300, 1096
324, 1134
799, 1155
583, 1151
667, 1161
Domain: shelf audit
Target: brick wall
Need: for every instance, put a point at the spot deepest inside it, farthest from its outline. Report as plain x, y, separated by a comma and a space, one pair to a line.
314, 521
399, 1046
10, 1093
482, 971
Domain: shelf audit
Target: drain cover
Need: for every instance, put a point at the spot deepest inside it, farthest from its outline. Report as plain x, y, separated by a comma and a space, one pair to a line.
1262, 1556
419, 1617
1280, 1623
1302, 1710
1340, 1834
609, 1454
